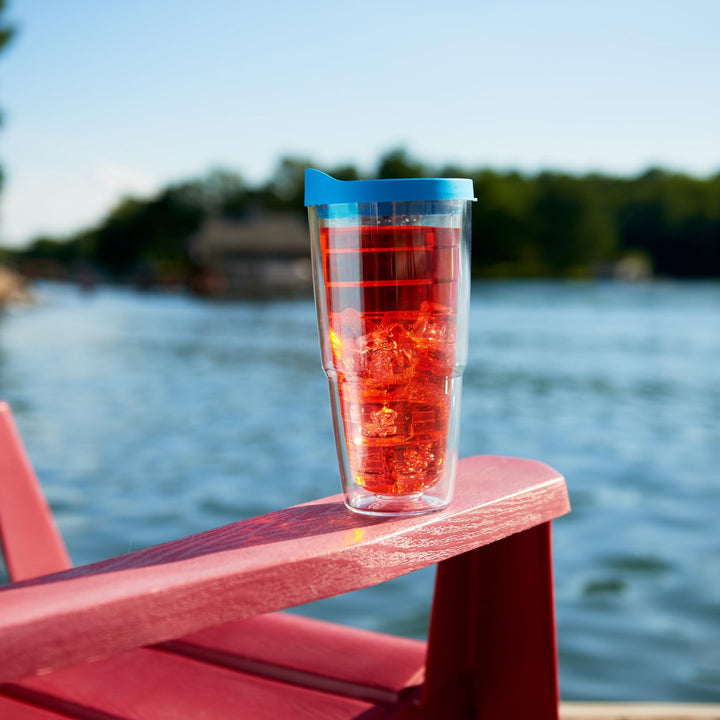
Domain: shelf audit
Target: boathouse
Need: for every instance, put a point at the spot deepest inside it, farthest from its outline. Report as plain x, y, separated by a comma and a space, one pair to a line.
264, 254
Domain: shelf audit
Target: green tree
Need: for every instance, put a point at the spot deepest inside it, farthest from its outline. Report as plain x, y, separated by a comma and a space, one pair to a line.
7, 33
345, 172
47, 248
574, 227
287, 185
146, 236
218, 192
397, 164
502, 225
675, 220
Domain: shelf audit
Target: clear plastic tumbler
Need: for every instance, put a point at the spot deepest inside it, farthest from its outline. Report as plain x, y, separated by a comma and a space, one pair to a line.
392, 282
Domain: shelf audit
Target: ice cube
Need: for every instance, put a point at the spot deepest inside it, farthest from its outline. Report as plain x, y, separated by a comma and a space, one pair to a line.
348, 324
416, 459
345, 330
434, 335
381, 423
435, 324
387, 354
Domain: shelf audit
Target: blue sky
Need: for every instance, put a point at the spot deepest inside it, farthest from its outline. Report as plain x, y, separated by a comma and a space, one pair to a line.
103, 98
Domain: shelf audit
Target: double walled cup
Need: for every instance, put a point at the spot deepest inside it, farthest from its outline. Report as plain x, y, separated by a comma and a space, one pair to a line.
392, 280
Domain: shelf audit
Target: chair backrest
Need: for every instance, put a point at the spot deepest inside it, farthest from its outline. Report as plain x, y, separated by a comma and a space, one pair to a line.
30, 540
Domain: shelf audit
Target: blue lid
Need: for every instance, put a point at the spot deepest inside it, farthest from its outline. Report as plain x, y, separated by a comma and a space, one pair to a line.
321, 189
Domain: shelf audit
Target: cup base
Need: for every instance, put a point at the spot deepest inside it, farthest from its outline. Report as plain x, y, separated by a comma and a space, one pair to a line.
393, 505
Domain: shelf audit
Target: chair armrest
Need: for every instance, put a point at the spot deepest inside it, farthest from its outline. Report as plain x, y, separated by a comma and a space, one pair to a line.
267, 563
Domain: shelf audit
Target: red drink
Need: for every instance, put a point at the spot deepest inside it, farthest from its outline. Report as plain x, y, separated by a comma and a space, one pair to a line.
391, 294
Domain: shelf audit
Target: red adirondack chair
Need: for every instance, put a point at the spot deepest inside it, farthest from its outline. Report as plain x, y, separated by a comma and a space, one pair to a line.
189, 629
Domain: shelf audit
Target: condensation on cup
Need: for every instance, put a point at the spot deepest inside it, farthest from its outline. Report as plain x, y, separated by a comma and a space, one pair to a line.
391, 276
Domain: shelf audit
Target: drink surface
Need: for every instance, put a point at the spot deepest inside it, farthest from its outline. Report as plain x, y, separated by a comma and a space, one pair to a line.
391, 294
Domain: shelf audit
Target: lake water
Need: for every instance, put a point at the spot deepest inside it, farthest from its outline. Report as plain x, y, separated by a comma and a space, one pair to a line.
149, 417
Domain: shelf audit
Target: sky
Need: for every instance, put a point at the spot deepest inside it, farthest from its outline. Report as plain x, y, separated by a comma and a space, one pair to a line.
105, 99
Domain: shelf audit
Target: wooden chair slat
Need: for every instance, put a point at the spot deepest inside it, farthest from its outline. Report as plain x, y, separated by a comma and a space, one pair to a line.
13, 709
30, 540
148, 683
303, 651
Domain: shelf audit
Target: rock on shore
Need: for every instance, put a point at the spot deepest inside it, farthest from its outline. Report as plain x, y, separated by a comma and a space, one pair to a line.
12, 287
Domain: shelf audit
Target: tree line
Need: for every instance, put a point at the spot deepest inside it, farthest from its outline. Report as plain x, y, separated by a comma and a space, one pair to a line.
549, 224
7, 32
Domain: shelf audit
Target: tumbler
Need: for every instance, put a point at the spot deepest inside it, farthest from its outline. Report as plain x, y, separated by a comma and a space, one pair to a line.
391, 277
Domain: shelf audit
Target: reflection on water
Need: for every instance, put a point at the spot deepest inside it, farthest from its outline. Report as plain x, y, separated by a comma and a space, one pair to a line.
152, 417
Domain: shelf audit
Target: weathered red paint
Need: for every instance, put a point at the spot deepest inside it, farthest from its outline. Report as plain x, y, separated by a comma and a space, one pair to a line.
30, 540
